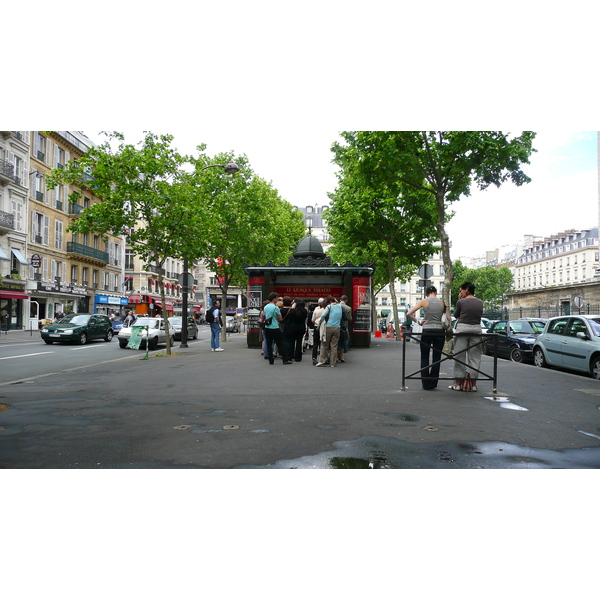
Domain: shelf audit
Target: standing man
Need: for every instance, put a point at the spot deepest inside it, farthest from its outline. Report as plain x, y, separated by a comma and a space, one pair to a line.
346, 344
215, 326
272, 331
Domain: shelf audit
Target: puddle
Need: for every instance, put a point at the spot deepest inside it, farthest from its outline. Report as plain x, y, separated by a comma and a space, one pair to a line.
375, 452
506, 403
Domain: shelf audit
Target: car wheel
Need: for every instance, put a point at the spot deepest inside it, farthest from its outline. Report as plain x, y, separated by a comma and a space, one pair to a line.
538, 357
122, 343
516, 355
109, 336
595, 367
172, 341
83, 338
49, 341
153, 344
484, 348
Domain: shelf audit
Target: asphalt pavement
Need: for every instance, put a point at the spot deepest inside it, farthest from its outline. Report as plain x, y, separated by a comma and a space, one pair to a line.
201, 409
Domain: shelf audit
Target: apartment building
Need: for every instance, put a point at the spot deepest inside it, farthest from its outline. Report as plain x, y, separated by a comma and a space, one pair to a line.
568, 258
14, 169
316, 223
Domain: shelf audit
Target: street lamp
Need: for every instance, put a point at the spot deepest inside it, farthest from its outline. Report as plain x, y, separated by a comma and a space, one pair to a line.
230, 168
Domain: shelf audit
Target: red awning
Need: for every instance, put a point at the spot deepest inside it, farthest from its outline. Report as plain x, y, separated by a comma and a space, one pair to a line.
14, 295
137, 299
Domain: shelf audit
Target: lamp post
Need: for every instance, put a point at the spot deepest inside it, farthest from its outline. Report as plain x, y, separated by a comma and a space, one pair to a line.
230, 168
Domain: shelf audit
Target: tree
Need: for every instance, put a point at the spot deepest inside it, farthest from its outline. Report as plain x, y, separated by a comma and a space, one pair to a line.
445, 165
375, 217
248, 221
143, 195
491, 284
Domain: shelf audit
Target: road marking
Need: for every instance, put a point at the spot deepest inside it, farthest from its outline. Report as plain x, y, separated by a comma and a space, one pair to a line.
25, 355
85, 348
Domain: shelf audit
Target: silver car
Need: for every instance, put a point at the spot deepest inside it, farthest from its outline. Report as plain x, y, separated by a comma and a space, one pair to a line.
570, 342
154, 335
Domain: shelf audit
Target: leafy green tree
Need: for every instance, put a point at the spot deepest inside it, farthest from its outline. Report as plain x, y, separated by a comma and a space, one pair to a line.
248, 221
377, 218
491, 284
143, 195
445, 165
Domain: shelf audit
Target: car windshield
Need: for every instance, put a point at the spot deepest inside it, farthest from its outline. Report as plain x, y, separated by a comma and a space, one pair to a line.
520, 327
151, 323
537, 326
595, 324
76, 319
175, 320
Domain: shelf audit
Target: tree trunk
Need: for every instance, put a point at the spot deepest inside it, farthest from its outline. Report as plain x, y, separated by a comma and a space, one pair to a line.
161, 287
445, 242
392, 284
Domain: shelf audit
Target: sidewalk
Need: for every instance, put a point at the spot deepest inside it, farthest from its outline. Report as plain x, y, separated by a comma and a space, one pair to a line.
16, 336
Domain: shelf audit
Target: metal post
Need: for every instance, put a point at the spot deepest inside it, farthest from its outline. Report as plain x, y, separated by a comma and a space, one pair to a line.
184, 305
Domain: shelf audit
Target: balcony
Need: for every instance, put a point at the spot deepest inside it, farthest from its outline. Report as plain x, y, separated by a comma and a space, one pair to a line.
7, 172
7, 222
75, 209
39, 196
87, 251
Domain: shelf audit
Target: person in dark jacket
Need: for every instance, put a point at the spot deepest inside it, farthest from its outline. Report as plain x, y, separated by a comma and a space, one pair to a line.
294, 330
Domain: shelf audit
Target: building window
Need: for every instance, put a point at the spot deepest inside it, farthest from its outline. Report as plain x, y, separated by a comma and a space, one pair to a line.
59, 157
73, 273
58, 234
40, 228
85, 278
39, 146
128, 259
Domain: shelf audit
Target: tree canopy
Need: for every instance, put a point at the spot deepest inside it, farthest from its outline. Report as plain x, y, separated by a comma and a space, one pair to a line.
443, 164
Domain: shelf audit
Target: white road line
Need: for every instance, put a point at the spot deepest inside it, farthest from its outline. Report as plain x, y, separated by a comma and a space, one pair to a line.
85, 348
25, 355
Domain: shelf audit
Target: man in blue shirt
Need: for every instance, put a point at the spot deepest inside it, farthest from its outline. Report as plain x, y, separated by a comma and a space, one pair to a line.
333, 315
215, 327
272, 331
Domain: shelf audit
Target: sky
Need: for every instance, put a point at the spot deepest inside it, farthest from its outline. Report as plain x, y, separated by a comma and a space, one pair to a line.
562, 194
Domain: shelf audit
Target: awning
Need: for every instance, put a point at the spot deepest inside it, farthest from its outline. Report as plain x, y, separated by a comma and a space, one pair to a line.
13, 295
137, 299
3, 255
19, 257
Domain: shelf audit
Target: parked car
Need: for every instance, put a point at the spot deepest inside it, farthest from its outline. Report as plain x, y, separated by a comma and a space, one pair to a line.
80, 328
570, 342
117, 326
192, 329
154, 335
231, 325
515, 338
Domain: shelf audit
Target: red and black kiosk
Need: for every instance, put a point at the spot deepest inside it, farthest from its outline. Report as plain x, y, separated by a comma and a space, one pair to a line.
310, 275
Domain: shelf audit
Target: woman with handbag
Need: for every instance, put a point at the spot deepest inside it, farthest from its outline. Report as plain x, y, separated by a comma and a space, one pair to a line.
433, 336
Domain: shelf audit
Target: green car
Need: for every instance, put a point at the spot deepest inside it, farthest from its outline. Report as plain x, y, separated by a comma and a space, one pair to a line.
80, 328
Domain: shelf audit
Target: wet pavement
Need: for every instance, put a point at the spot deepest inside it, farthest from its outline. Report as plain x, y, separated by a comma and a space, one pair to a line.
198, 409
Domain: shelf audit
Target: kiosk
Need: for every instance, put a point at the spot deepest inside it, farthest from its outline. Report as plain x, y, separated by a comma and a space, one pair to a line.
310, 275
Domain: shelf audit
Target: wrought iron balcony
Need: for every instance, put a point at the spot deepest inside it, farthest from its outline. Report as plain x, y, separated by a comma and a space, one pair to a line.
7, 220
75, 209
81, 250
7, 172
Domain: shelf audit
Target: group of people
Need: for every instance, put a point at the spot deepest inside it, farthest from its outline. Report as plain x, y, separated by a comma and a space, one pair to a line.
285, 323
466, 345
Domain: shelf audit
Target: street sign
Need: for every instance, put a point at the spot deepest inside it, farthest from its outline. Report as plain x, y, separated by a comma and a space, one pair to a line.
190, 280
425, 271
424, 283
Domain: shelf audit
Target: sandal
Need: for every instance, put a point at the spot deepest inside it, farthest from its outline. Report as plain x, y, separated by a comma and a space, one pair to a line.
454, 387
474, 388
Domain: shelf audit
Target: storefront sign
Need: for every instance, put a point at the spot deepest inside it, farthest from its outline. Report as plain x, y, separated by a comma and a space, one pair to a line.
309, 291
253, 316
116, 300
63, 287
36, 261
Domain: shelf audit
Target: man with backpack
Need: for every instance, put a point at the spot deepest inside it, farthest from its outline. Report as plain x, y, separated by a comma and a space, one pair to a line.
213, 318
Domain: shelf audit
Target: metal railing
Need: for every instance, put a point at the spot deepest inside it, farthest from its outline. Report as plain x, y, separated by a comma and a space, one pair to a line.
447, 356
7, 220
75, 248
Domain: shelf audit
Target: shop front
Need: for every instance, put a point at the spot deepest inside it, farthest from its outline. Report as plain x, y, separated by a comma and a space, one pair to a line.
12, 302
52, 299
106, 304
150, 305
